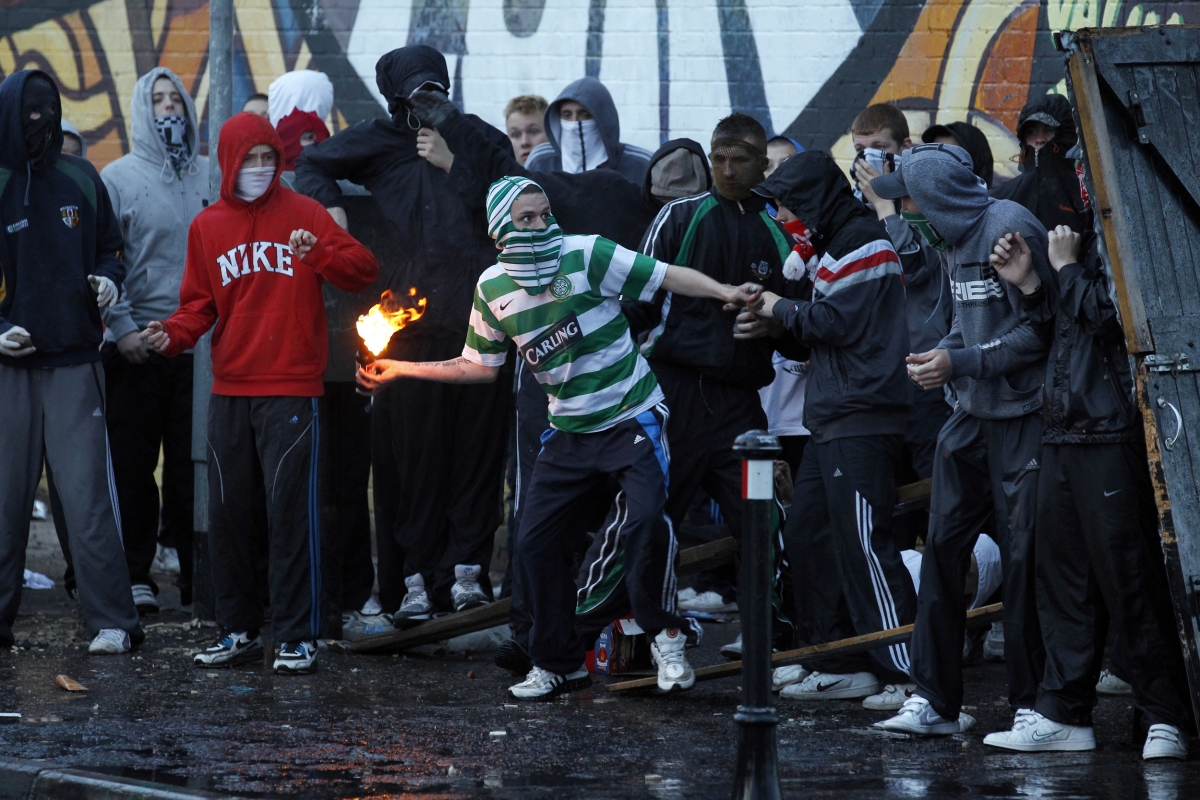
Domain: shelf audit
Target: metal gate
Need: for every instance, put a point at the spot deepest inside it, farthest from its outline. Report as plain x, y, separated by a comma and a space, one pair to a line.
1137, 93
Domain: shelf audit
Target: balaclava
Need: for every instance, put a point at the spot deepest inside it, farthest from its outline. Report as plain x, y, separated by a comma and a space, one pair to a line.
39, 95
748, 173
529, 257
172, 129
582, 146
253, 182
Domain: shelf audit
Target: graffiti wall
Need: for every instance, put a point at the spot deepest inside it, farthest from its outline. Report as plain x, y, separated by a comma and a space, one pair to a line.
673, 66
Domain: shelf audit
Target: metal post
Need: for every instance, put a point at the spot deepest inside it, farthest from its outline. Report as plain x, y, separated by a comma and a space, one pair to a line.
220, 108
758, 758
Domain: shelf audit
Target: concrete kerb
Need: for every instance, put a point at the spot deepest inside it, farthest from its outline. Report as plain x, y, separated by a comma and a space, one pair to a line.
43, 780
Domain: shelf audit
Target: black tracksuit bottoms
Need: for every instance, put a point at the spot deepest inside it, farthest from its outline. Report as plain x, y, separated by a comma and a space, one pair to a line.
263, 452
438, 453
346, 433
150, 407
848, 577
1095, 511
639, 570
977, 457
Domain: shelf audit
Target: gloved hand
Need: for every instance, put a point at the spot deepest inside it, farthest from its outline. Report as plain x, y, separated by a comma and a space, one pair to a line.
105, 289
15, 342
433, 108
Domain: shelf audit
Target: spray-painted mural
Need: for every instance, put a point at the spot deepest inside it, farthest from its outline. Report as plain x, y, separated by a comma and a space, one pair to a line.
673, 66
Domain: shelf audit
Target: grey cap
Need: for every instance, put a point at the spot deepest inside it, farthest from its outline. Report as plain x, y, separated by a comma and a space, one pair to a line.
890, 186
680, 173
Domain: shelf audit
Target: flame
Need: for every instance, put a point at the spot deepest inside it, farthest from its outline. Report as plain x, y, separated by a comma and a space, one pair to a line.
377, 325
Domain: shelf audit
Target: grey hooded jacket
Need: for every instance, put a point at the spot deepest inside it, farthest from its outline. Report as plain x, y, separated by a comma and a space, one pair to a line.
155, 208
631, 161
71, 129
998, 358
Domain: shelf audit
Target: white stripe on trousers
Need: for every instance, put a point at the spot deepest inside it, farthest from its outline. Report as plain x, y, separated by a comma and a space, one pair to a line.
883, 593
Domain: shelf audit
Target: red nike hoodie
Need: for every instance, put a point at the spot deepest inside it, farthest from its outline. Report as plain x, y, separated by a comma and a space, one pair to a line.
270, 336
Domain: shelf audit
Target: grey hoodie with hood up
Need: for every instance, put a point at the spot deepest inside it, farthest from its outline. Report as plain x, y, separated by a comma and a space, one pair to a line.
999, 361
71, 129
155, 207
627, 159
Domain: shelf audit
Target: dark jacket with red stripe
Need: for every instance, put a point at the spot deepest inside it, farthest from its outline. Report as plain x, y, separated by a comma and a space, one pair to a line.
855, 322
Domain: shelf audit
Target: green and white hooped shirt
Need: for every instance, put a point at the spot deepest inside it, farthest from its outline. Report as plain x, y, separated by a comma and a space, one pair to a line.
573, 335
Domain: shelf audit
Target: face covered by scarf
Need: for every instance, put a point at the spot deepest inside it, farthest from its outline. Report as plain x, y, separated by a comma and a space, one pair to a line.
39, 96
582, 146
172, 129
530, 257
925, 228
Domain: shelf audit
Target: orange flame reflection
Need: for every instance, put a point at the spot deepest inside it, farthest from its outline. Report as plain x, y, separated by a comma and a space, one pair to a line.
385, 318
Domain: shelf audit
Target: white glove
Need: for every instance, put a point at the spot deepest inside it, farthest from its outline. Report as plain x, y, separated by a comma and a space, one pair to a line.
105, 289
15, 342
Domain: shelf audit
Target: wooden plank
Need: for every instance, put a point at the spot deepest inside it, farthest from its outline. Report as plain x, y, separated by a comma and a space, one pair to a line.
857, 644
706, 556
437, 630
1110, 206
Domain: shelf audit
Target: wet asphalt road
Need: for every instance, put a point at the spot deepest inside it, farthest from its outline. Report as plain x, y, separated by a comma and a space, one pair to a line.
423, 724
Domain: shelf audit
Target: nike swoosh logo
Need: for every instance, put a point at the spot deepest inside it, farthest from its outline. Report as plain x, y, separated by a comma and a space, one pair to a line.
505, 305
1110, 494
821, 687
1042, 737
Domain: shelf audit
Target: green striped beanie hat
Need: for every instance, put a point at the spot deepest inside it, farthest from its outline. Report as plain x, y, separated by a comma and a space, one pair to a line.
530, 257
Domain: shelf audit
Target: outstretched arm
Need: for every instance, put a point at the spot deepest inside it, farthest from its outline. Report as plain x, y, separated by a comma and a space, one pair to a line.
693, 283
456, 370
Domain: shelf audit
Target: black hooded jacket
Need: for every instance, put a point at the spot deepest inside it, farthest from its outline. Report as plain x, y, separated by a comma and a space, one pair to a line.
855, 323
732, 242
595, 202
446, 241
1048, 184
1088, 395
59, 228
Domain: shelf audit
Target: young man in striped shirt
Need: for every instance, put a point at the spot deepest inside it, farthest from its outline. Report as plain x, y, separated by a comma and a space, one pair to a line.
556, 297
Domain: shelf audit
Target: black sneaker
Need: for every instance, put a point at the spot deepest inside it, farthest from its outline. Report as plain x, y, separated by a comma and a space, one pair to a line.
512, 656
236, 647
296, 658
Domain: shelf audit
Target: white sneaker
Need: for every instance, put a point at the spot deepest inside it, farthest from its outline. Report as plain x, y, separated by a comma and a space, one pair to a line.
786, 676
1110, 685
110, 642
1037, 734
541, 684
144, 599
466, 592
674, 671
733, 650
166, 561
826, 686
371, 607
415, 607
685, 596
917, 716
710, 602
1164, 741
993, 645
891, 698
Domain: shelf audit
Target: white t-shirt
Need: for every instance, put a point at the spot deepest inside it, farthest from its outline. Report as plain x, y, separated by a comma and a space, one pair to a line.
783, 398
987, 555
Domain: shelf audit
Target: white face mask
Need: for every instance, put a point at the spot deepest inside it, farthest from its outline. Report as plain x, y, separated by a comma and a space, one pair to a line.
253, 182
582, 146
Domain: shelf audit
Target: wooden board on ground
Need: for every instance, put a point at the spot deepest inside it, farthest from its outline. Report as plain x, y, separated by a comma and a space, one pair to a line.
857, 644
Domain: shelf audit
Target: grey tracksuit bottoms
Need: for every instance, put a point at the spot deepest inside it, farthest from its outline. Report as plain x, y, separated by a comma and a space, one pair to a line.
58, 413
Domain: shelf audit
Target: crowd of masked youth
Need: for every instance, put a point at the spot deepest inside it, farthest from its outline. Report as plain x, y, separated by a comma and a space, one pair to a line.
905, 324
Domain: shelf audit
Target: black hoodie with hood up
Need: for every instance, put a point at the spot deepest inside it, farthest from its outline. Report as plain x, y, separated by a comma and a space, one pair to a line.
59, 228
630, 161
1048, 184
446, 241
855, 323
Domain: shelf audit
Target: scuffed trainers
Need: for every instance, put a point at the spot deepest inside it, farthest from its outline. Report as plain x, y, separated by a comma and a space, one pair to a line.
235, 647
144, 599
296, 658
512, 656
892, 697
415, 608
917, 716
1164, 741
733, 650
708, 602
1037, 734
110, 642
993, 643
541, 684
1110, 685
367, 621
466, 593
166, 561
787, 676
685, 596
675, 674
826, 686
